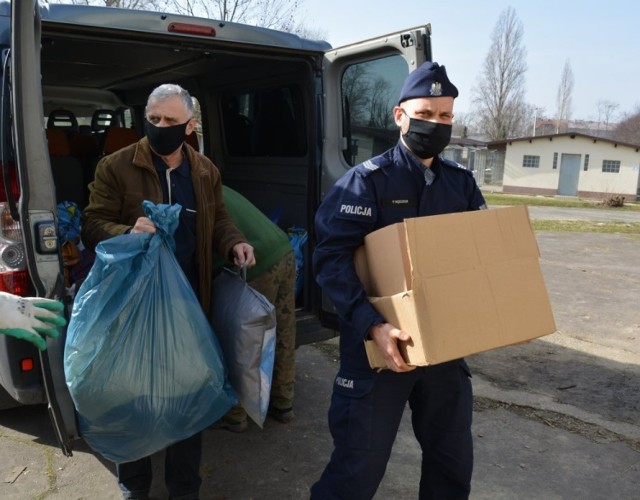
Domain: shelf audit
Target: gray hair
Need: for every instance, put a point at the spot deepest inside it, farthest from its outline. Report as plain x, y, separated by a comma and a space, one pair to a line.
169, 90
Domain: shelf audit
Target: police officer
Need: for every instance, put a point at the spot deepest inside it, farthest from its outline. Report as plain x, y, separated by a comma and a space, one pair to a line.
409, 180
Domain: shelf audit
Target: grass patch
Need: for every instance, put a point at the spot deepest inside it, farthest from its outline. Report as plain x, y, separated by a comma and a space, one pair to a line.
587, 226
496, 199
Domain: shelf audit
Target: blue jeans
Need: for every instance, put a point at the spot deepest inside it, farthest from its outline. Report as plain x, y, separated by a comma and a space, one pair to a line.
181, 472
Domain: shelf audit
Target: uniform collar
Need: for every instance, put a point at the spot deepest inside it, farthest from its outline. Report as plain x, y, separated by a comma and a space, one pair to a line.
402, 156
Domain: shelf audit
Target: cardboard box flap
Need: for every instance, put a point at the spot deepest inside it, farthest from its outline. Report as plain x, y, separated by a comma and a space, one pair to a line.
504, 234
399, 310
388, 261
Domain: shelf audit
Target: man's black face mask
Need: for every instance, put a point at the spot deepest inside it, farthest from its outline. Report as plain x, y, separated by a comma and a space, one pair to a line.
426, 139
165, 140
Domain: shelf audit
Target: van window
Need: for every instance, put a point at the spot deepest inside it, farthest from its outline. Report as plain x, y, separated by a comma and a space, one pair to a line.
370, 91
265, 123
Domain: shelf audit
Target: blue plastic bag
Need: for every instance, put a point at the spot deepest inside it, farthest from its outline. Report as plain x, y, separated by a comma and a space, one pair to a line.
141, 361
298, 237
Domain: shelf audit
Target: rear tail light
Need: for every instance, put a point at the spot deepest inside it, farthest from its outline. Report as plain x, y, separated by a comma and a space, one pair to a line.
14, 277
27, 364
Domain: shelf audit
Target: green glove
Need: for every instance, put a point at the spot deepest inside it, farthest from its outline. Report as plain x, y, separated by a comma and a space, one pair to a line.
29, 318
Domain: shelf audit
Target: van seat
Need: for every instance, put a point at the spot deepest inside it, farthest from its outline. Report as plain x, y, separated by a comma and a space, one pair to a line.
66, 170
84, 146
86, 150
58, 142
117, 138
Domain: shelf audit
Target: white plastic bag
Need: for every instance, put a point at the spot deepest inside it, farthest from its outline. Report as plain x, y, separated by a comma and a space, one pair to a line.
245, 323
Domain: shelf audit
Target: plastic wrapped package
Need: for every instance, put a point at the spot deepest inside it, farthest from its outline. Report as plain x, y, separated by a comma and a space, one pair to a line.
142, 363
245, 322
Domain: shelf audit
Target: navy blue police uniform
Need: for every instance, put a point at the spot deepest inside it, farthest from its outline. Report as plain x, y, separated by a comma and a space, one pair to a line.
367, 405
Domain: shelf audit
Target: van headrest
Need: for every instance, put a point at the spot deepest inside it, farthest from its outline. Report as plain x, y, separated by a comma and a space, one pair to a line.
63, 119
102, 119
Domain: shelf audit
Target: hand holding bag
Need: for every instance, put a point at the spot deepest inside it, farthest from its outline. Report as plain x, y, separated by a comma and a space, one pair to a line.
142, 364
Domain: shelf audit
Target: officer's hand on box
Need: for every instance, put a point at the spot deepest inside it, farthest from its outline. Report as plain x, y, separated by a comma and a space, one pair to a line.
386, 337
28, 318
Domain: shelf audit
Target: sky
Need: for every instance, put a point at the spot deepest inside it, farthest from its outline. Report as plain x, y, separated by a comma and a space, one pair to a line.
600, 39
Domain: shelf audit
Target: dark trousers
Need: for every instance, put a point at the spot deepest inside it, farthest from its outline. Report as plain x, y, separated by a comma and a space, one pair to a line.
364, 418
181, 471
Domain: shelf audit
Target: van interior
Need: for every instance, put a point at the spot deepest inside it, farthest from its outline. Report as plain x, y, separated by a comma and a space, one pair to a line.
255, 107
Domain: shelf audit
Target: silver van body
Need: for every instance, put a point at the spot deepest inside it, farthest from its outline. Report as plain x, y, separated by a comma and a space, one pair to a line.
282, 117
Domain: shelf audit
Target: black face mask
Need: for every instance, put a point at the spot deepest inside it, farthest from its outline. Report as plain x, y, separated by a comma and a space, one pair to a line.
427, 139
165, 140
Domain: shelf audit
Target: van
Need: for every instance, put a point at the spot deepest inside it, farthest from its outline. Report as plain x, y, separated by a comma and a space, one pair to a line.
282, 117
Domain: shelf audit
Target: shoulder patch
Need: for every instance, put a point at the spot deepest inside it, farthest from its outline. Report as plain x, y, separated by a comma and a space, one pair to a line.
369, 165
456, 165
356, 209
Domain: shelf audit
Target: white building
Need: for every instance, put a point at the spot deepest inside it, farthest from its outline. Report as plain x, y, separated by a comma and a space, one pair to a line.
572, 164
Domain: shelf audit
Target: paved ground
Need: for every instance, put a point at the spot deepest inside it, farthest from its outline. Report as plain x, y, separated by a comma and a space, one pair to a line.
557, 418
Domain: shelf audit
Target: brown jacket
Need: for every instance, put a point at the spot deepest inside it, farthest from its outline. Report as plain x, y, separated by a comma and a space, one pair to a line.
127, 177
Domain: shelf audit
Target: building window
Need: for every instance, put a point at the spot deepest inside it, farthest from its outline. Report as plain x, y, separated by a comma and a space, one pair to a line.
530, 161
612, 166
555, 160
586, 162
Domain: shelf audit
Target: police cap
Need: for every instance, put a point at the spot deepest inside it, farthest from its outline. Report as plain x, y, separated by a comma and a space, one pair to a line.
428, 80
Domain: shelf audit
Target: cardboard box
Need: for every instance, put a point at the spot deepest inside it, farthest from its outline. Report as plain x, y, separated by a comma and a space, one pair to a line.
458, 283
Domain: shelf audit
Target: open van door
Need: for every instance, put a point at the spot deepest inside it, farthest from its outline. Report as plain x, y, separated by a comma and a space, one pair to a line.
35, 208
361, 86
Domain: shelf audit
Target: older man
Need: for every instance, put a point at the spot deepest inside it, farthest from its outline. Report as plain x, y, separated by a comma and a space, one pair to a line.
163, 169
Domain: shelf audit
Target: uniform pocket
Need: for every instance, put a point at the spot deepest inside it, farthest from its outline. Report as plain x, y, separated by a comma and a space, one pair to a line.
350, 415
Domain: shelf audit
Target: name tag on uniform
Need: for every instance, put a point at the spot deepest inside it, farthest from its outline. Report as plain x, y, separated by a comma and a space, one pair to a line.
399, 202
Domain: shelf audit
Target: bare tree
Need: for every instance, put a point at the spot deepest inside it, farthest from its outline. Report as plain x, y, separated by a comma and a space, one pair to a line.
463, 125
563, 99
500, 93
276, 14
628, 130
224, 10
606, 110
381, 104
356, 91
121, 4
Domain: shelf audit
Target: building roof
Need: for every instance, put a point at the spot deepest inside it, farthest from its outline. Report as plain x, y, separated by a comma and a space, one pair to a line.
571, 135
466, 141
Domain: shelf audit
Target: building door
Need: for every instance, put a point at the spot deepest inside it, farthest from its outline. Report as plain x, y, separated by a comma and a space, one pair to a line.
569, 175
